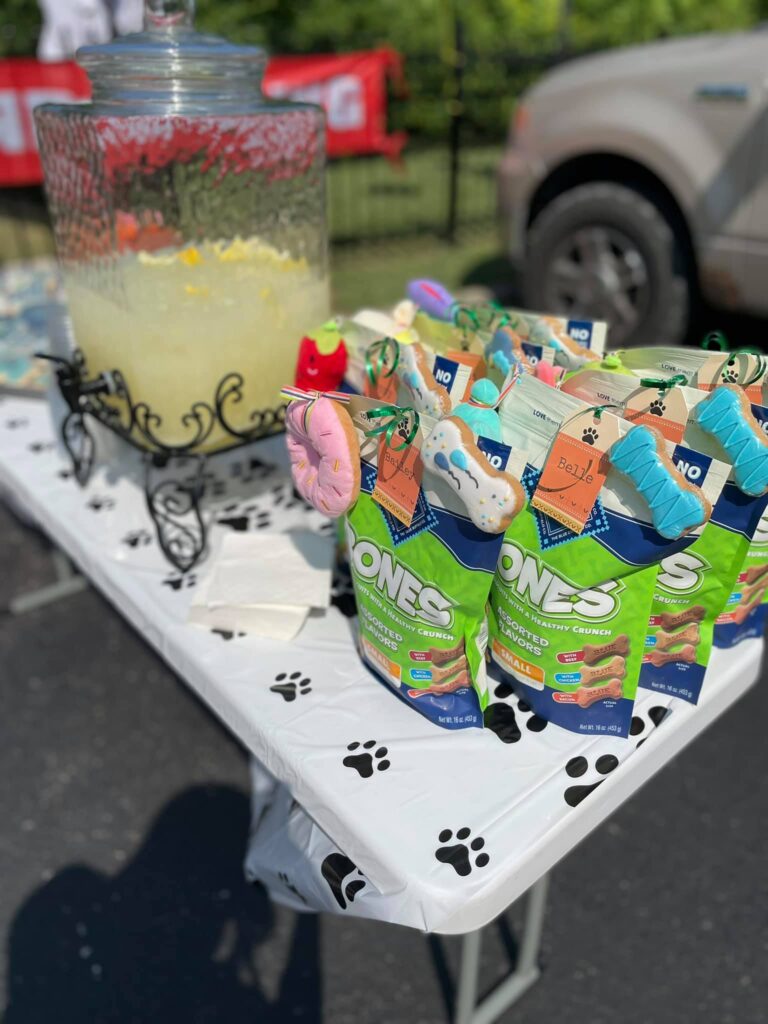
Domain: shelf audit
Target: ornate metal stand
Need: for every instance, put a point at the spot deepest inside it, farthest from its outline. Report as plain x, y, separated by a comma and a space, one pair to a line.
173, 497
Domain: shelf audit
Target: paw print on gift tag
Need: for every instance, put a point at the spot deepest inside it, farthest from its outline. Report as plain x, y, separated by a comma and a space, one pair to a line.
459, 855
730, 375
589, 436
291, 686
365, 762
657, 407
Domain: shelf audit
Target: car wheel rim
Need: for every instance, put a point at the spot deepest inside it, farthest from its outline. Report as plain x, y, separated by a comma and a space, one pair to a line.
599, 273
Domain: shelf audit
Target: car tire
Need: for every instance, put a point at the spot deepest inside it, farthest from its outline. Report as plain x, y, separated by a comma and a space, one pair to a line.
613, 216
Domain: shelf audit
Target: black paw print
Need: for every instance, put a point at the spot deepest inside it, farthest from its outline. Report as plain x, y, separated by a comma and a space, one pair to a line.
336, 869
502, 720
41, 446
366, 763
458, 855
228, 634
657, 407
343, 592
177, 581
578, 766
589, 436
99, 504
262, 520
239, 523
137, 539
290, 886
66, 474
285, 496
730, 375
16, 423
291, 686
656, 716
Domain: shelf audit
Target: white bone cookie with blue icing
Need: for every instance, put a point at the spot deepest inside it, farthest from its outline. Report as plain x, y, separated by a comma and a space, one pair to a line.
491, 497
426, 395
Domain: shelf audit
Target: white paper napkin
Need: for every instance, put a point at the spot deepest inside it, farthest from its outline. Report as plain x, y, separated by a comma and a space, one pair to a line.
264, 583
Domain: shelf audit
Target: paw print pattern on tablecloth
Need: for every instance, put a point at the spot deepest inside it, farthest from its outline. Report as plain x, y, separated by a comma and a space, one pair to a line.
336, 869
41, 446
228, 634
291, 686
286, 881
137, 538
98, 503
180, 581
589, 436
16, 423
459, 855
642, 727
365, 762
506, 719
579, 766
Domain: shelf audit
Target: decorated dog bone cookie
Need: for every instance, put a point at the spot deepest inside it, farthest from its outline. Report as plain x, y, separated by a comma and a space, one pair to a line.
449, 686
586, 696
505, 349
592, 653
743, 611
325, 454
695, 613
686, 654
491, 497
727, 416
442, 674
595, 674
755, 572
676, 506
690, 635
426, 394
440, 656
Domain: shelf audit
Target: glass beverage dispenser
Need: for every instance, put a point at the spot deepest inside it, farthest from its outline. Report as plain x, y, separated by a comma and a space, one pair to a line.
189, 215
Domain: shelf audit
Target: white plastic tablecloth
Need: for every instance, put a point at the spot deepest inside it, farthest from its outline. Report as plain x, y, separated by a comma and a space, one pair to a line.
374, 811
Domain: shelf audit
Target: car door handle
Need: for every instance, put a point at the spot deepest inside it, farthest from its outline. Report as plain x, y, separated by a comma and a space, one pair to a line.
732, 92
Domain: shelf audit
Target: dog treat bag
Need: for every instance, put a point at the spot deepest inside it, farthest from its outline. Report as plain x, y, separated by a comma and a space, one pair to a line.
714, 591
422, 560
569, 609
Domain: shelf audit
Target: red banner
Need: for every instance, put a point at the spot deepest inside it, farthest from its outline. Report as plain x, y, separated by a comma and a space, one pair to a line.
351, 87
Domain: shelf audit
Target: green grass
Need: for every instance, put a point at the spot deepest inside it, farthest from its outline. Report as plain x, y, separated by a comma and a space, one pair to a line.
373, 198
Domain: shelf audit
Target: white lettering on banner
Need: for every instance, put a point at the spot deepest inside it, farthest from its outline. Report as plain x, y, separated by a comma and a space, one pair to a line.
11, 129
341, 97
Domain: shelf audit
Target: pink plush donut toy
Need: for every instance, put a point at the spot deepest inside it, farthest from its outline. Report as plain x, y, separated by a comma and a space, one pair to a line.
325, 454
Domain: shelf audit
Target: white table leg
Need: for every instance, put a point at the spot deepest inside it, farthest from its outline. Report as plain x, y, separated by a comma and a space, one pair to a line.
68, 582
526, 972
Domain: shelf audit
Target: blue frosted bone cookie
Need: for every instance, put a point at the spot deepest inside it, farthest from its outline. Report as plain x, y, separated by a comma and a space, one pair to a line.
676, 506
491, 497
480, 412
726, 415
426, 395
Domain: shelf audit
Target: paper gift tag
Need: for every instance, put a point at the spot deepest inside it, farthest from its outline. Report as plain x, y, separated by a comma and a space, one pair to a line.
398, 479
722, 368
454, 375
666, 411
576, 468
382, 357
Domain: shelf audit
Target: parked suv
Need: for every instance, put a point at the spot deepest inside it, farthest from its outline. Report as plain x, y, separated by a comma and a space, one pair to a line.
634, 184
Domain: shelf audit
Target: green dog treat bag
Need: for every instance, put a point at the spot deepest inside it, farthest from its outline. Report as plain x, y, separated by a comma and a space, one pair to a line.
422, 590
569, 611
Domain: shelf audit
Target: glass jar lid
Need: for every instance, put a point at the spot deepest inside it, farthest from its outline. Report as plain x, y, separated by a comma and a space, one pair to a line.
169, 48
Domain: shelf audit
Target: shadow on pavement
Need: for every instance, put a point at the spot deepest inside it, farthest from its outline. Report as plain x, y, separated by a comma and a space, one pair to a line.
172, 937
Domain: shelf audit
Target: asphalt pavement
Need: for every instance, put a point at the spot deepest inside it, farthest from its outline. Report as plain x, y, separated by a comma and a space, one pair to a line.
124, 811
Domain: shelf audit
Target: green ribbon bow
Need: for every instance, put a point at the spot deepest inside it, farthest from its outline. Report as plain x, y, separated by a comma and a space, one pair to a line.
376, 359
398, 420
664, 385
